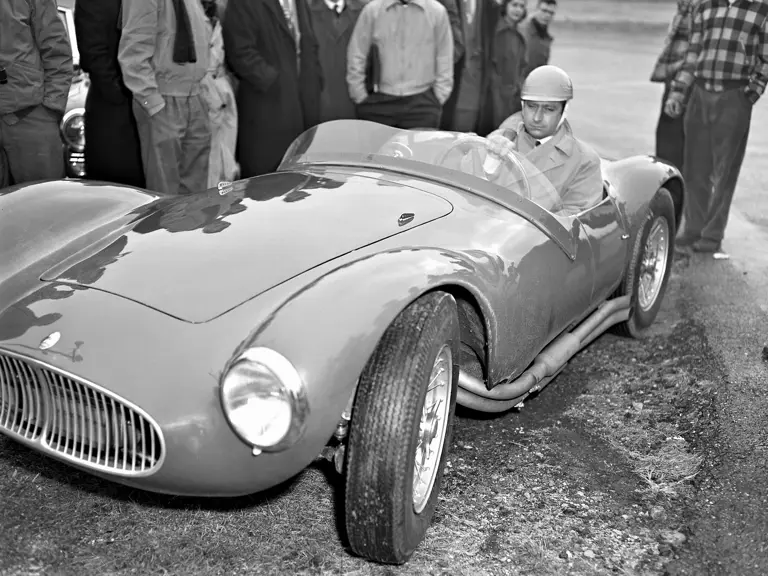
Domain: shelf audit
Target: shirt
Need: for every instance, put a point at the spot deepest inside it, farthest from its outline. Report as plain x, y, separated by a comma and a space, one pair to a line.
729, 43
415, 46
676, 43
335, 5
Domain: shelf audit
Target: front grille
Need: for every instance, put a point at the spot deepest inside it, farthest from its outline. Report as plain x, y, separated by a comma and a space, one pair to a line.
76, 420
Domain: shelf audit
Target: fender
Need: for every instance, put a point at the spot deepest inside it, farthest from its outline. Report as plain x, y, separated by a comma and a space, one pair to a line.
38, 220
330, 328
637, 179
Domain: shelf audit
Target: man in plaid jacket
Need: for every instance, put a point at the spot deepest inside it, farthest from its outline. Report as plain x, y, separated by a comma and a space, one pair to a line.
725, 70
670, 136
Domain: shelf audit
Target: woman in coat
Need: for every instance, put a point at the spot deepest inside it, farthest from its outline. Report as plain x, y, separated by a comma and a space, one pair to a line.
509, 61
219, 94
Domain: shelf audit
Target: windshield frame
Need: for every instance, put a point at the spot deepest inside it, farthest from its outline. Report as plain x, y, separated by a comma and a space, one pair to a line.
563, 230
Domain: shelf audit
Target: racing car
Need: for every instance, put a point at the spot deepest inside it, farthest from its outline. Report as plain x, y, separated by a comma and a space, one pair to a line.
216, 344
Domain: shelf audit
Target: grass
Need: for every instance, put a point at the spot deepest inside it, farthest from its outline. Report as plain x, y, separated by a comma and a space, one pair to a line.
571, 484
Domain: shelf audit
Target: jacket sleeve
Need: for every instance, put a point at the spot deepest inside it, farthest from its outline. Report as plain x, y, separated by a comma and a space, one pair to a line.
444, 64
683, 80
357, 54
55, 54
759, 76
92, 26
241, 28
136, 50
586, 187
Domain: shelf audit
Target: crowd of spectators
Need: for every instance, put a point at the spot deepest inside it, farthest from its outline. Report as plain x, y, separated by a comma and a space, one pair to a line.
187, 93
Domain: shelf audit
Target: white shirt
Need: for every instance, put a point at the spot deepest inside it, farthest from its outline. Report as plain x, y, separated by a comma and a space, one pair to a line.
337, 6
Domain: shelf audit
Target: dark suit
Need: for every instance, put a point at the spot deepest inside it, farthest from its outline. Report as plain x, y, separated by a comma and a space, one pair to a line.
333, 32
276, 100
112, 149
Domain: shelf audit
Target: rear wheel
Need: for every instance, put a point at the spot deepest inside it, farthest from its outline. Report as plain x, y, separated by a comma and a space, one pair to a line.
648, 272
402, 421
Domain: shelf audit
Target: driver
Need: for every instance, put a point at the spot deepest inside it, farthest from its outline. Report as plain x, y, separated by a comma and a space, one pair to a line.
541, 133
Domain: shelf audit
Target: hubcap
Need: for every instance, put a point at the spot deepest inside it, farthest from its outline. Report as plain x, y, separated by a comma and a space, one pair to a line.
654, 264
432, 428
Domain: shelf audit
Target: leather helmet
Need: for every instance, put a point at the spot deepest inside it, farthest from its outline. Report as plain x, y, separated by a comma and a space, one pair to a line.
547, 84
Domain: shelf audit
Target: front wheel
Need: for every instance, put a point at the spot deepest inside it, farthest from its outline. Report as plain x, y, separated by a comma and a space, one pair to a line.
401, 429
648, 272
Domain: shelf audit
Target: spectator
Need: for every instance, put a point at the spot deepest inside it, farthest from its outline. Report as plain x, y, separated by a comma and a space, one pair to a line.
472, 95
536, 32
726, 70
273, 52
457, 31
333, 22
415, 47
222, 111
163, 53
35, 77
670, 136
108, 109
508, 63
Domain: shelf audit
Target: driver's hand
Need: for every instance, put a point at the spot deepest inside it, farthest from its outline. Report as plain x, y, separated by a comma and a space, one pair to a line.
673, 107
500, 145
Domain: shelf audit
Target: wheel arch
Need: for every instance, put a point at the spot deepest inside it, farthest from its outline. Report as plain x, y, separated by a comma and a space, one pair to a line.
331, 344
637, 179
676, 189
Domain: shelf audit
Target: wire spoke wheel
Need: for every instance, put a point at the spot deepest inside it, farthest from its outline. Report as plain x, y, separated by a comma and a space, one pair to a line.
432, 428
655, 255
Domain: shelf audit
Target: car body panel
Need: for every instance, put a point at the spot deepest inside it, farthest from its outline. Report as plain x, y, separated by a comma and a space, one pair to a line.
247, 223
529, 274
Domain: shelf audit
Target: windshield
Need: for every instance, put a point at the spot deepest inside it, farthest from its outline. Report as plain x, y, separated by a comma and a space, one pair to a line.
459, 159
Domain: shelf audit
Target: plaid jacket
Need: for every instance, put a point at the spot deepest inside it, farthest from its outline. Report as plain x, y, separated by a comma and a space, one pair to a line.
729, 43
676, 43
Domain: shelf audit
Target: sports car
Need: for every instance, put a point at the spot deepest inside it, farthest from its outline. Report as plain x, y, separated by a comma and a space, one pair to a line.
218, 343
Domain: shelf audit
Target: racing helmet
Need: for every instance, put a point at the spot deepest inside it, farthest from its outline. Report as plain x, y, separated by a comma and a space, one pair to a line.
547, 84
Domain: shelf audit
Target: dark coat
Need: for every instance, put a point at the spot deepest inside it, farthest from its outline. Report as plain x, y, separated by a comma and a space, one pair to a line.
491, 16
108, 110
333, 33
507, 70
275, 101
538, 41
455, 16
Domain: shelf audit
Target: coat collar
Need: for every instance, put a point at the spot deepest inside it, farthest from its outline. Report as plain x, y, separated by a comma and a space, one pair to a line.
322, 13
551, 154
390, 3
277, 8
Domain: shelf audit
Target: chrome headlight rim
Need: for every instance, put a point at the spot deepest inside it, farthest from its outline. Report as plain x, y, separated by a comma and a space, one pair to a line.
77, 147
293, 387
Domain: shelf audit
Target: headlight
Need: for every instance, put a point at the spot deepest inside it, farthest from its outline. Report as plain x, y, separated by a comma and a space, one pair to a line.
73, 129
265, 400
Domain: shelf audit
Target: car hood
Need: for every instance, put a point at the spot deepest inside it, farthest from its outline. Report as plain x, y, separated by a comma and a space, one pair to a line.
196, 257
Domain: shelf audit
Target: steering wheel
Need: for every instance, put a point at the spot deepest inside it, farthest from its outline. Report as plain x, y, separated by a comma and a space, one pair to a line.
505, 170
396, 150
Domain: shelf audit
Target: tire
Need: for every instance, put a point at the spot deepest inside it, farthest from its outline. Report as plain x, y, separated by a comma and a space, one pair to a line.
386, 517
654, 246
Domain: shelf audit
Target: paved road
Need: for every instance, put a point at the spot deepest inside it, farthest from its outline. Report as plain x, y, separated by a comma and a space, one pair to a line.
616, 108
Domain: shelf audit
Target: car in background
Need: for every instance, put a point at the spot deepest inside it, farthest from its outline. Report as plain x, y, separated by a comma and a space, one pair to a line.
72, 128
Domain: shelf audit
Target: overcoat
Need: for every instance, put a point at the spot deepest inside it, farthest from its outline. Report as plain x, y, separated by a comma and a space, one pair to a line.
333, 33
573, 167
108, 109
278, 95
507, 70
